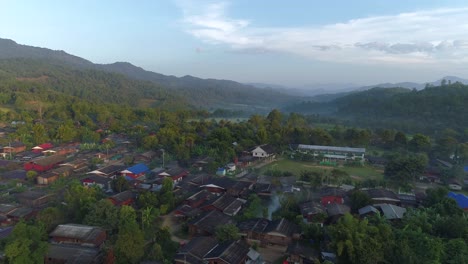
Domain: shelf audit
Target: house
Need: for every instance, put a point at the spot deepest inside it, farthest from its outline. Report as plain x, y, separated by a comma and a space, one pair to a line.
198, 198
461, 199
333, 153
110, 171
231, 167
390, 211
194, 251
42, 147
175, 173
226, 185
21, 213
201, 163
147, 156
205, 225
408, 199
330, 195
5, 209
312, 211
455, 185
47, 178
263, 151
379, 196
94, 180
262, 189
123, 198
14, 175
186, 211
228, 252
34, 198
252, 230
368, 210
301, 253
335, 211
280, 232
14, 147
77, 165
221, 171
226, 204
59, 254
79, 235
43, 164
135, 171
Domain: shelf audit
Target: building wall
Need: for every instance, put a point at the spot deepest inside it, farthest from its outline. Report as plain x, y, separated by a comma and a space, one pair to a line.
331, 199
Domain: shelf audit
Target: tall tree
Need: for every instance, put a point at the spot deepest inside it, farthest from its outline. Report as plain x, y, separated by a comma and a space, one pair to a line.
28, 244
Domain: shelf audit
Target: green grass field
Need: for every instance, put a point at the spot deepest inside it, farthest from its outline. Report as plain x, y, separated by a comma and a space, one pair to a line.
296, 167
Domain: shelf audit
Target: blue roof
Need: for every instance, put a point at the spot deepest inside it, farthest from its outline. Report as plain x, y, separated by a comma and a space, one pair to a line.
461, 199
465, 168
139, 168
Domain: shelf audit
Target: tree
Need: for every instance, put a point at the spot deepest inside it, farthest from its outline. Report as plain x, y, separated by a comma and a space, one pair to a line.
403, 170
79, 200
50, 217
39, 134
359, 199
129, 247
356, 241
455, 251
420, 143
227, 232
120, 184
105, 215
28, 244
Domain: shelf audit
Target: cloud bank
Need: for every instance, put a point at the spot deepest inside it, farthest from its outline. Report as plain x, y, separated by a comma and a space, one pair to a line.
430, 36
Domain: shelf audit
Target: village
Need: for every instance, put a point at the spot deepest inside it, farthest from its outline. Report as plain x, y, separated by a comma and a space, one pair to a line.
254, 209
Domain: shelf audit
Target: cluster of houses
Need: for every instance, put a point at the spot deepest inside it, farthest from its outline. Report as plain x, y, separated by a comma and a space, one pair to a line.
208, 201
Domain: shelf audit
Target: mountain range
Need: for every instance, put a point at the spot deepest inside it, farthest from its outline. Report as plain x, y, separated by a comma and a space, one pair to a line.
198, 93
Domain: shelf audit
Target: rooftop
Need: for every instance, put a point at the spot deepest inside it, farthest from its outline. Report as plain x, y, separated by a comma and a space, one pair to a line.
76, 231
233, 252
331, 148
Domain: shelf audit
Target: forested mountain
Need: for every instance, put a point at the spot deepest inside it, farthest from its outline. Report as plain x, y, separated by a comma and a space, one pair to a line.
433, 108
124, 82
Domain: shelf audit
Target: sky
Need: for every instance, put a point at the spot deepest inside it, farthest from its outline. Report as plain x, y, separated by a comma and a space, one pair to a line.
293, 43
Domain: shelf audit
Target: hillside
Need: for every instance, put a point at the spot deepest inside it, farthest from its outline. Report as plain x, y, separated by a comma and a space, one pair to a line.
196, 92
431, 109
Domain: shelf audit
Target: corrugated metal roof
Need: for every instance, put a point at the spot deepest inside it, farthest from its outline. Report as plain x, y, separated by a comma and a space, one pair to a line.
331, 148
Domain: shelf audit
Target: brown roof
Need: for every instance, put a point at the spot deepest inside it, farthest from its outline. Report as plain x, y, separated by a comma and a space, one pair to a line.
72, 254
76, 231
233, 252
123, 196
212, 219
282, 226
198, 247
45, 161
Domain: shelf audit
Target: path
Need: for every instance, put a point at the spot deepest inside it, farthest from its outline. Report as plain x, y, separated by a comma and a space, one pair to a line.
169, 221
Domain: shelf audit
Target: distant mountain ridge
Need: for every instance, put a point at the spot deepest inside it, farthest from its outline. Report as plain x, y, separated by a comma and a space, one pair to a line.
201, 93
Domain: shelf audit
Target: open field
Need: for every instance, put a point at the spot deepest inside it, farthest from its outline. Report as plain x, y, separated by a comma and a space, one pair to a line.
296, 167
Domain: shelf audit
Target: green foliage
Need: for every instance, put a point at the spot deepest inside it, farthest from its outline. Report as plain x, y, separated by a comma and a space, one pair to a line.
129, 247
254, 208
227, 232
79, 200
50, 217
28, 244
403, 170
358, 242
105, 215
359, 199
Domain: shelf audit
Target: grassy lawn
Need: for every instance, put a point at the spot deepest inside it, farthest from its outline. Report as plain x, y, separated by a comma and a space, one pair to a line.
296, 167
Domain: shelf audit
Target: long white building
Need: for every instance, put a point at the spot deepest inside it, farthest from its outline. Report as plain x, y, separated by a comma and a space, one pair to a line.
341, 153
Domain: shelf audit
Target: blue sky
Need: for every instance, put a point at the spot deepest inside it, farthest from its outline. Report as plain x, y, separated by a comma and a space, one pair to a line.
292, 43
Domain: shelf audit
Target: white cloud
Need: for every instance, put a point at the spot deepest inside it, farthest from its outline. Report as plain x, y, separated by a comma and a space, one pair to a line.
419, 37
